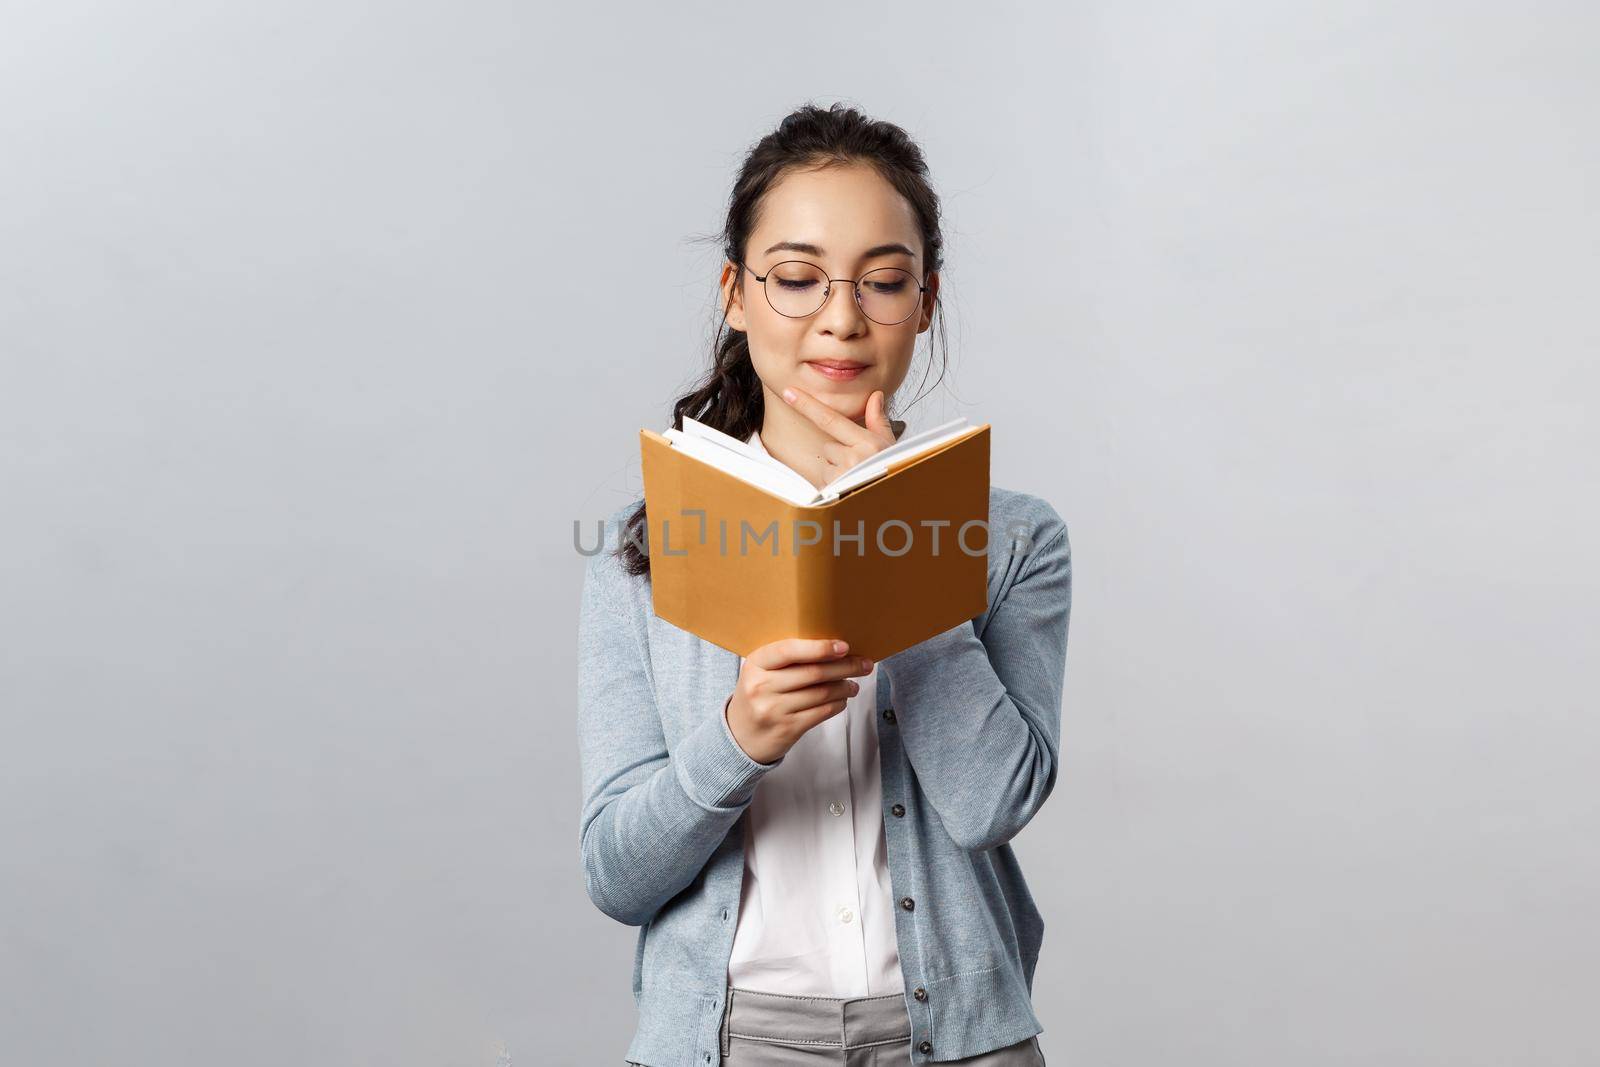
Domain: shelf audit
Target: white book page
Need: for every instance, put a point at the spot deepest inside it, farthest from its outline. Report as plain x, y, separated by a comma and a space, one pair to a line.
696, 428
753, 465
763, 472
915, 444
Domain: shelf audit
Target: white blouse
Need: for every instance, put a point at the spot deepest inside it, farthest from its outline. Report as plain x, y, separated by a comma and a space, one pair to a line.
816, 914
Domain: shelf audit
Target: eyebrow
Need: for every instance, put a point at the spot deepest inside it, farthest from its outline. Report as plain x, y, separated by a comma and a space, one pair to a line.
892, 248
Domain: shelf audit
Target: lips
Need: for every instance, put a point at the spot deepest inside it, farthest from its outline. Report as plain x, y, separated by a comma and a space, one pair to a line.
838, 370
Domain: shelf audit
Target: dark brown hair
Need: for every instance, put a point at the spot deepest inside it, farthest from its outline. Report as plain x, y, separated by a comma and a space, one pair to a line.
729, 396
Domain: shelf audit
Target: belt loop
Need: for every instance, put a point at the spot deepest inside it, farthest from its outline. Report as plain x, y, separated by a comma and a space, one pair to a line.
727, 1013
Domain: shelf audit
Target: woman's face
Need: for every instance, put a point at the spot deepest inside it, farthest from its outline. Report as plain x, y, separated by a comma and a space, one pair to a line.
832, 218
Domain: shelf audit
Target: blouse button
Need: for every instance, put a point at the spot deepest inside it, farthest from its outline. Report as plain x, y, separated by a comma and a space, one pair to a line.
836, 807
899, 810
920, 994
888, 714
907, 903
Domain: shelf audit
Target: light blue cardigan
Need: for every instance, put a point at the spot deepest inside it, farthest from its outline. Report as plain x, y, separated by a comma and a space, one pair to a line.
969, 727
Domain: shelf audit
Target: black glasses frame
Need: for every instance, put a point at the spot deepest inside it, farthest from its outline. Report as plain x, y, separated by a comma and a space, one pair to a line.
855, 283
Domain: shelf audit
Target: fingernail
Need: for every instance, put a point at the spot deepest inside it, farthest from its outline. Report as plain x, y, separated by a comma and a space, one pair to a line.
840, 646
866, 664
788, 394
854, 688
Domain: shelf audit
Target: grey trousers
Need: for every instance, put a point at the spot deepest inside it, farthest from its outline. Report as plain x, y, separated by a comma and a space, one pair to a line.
784, 1030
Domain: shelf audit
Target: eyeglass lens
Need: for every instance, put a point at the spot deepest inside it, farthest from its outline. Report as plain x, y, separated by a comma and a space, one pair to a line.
888, 295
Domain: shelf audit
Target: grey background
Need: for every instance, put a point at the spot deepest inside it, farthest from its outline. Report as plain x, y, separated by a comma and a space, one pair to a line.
321, 323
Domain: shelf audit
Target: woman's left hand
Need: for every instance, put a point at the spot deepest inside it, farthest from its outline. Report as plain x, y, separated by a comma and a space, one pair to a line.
851, 443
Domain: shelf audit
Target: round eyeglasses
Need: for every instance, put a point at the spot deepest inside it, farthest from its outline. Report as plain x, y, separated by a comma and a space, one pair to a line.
797, 289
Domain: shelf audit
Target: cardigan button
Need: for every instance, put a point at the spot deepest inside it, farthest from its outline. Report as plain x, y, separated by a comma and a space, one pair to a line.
920, 994
888, 714
907, 903
925, 1046
899, 810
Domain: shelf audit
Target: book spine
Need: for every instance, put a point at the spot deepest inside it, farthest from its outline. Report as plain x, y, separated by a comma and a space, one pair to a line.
815, 600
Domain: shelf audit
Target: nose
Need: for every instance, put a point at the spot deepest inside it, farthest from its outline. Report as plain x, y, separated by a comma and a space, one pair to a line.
846, 289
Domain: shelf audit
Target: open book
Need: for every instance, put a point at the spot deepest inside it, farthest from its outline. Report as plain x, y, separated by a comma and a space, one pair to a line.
749, 463
744, 551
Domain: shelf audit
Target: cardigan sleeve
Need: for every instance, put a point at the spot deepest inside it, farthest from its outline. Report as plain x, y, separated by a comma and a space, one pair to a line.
980, 718
650, 820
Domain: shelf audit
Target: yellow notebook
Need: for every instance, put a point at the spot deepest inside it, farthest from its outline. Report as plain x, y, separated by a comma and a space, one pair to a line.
888, 555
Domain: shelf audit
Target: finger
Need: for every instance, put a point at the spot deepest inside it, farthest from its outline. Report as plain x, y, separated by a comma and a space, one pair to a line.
878, 417
808, 719
800, 675
880, 435
841, 429
781, 653
800, 700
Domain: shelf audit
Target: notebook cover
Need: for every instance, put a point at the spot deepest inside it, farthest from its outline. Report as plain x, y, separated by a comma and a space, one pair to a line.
728, 561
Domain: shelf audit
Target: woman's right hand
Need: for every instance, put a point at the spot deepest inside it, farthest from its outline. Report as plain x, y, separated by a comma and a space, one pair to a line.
787, 687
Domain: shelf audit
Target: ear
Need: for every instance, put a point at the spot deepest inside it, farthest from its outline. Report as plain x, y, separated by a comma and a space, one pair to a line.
928, 300
732, 296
